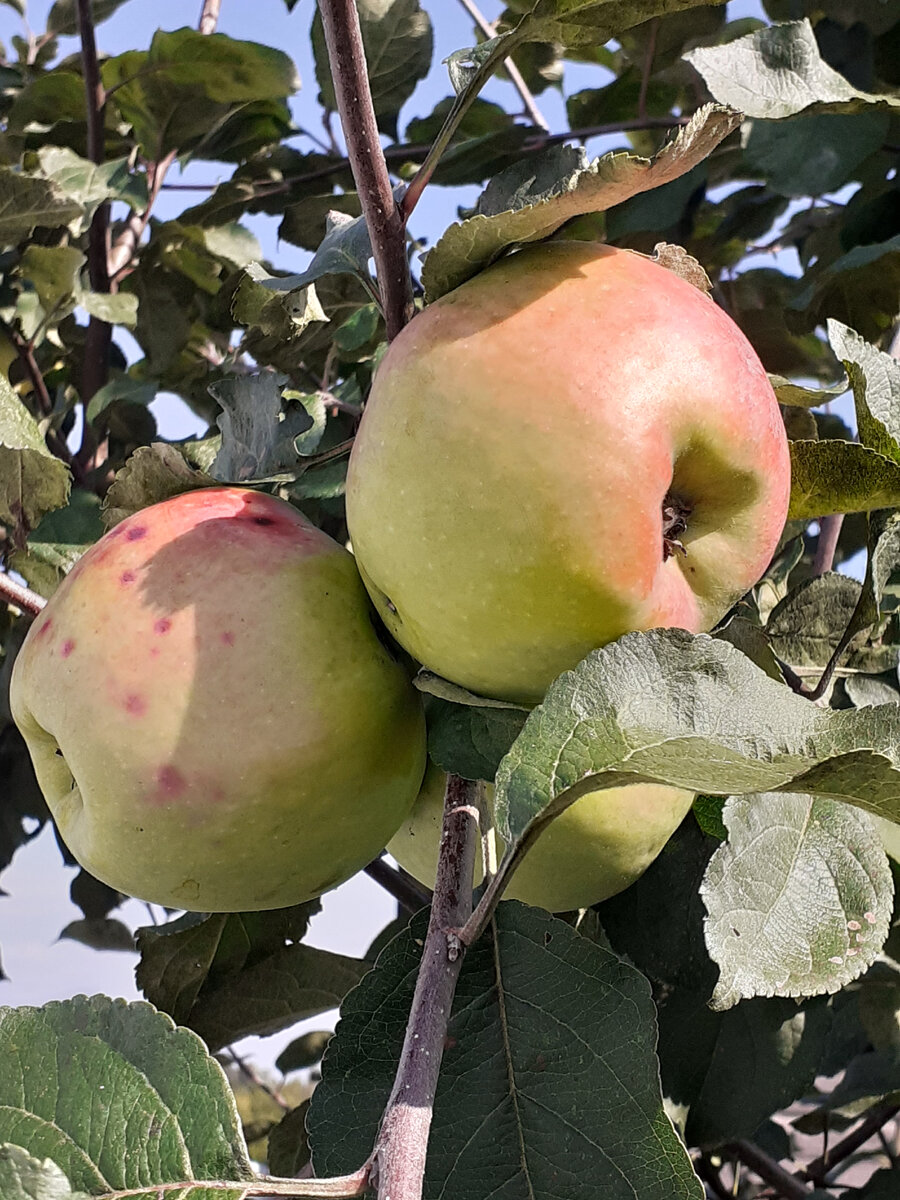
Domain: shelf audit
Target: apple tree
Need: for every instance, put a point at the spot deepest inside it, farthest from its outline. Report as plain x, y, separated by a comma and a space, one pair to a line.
702, 995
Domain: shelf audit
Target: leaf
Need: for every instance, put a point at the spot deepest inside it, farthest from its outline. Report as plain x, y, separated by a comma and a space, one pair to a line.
259, 426
531, 200
799, 897
120, 309
152, 474
27, 202
122, 387
345, 249
274, 307
790, 392
100, 933
59, 540
811, 155
840, 477
805, 627
471, 741
54, 273
288, 1147
544, 1022
62, 18
91, 183
304, 1051
875, 379
25, 1178
692, 711
32, 481
858, 289
398, 43
132, 1101
777, 72
591, 22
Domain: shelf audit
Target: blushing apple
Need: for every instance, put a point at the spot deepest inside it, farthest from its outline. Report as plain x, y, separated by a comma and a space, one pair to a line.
572, 445
212, 717
594, 849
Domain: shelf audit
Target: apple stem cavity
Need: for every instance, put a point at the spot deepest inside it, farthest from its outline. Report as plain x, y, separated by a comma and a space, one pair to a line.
398, 1160
675, 515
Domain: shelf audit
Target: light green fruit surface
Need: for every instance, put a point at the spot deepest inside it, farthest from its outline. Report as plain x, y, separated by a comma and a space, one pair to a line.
594, 849
212, 718
506, 486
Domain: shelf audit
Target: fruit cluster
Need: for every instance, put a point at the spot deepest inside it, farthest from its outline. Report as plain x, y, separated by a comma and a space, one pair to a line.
575, 444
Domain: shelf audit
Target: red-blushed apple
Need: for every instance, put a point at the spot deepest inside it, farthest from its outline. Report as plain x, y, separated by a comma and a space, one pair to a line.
574, 444
594, 849
212, 717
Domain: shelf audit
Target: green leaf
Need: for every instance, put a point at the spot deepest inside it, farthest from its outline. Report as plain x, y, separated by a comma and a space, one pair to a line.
810, 155
27, 202
99, 933
305, 224
471, 742
531, 200
152, 474
91, 183
32, 481
287, 1151
543, 1023
131, 1102
799, 897
692, 711
592, 22
122, 387
805, 627
25, 1178
304, 1051
260, 424
840, 477
63, 16
858, 288
778, 72
118, 309
54, 272
798, 394
345, 249
230, 975
273, 307
875, 379
59, 540
398, 43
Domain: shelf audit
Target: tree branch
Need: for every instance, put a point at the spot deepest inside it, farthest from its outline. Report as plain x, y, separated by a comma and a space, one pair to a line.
771, 1172
347, 57
21, 597
95, 368
515, 75
877, 1118
409, 894
829, 532
398, 1159
209, 16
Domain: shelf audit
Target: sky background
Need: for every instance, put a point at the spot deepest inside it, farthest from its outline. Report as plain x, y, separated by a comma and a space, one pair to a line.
38, 966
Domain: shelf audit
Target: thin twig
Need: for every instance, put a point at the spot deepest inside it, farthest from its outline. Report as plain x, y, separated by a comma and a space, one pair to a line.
829, 532
770, 1171
346, 55
29, 363
877, 1119
409, 894
516, 77
95, 368
399, 1155
22, 597
252, 1075
209, 16
711, 1178
647, 68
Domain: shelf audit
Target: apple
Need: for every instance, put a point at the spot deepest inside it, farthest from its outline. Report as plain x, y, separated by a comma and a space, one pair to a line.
594, 849
211, 715
574, 444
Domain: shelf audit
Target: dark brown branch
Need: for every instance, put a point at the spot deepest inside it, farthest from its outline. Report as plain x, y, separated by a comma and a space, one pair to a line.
829, 532
343, 37
409, 894
771, 1172
869, 1127
21, 597
399, 1155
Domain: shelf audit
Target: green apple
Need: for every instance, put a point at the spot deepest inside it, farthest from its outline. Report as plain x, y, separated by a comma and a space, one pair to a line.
572, 445
212, 717
594, 849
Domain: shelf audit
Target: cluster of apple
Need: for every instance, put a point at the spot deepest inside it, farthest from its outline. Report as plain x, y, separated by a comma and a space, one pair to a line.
574, 444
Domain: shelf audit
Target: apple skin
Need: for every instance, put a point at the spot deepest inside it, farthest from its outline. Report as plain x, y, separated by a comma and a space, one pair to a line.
506, 485
212, 717
594, 849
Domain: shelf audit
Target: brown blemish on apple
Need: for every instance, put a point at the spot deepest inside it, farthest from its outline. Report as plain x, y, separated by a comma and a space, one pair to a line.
136, 705
263, 520
227, 638
127, 577
163, 625
170, 779
67, 647
136, 533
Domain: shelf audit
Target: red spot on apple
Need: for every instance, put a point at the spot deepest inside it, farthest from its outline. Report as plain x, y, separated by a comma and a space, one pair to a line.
154, 651
127, 577
136, 533
170, 780
163, 625
263, 521
43, 630
136, 705
227, 638
67, 647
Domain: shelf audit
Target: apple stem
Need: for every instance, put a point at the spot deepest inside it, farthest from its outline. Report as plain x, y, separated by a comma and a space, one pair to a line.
347, 58
22, 597
398, 1160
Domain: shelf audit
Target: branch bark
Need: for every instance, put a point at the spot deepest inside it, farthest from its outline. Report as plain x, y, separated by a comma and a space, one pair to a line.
398, 1160
872, 1123
409, 895
22, 597
770, 1171
209, 16
515, 75
343, 37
